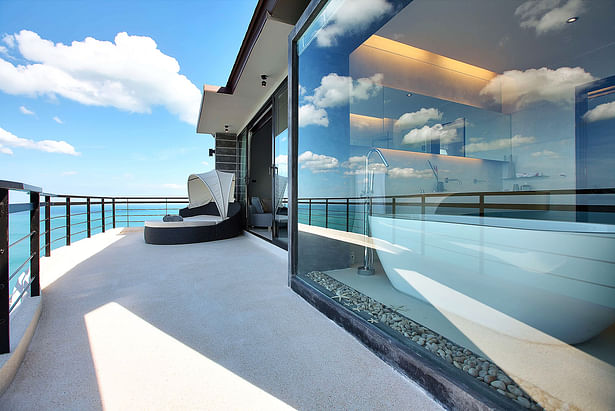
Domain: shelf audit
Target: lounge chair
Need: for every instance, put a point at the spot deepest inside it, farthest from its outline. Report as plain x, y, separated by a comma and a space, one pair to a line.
211, 215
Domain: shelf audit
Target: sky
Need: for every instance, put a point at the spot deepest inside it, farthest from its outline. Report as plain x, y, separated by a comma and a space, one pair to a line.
102, 98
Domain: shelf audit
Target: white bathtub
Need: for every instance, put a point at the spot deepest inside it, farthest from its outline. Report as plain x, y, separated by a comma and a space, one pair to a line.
525, 278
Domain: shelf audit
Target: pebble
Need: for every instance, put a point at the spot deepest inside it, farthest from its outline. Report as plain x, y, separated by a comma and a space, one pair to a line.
514, 390
504, 379
488, 378
498, 384
523, 401
462, 358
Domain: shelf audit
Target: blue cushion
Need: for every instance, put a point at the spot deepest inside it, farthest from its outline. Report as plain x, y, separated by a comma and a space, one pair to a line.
258, 207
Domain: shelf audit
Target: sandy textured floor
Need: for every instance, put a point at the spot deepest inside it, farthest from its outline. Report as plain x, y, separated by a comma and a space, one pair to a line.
127, 325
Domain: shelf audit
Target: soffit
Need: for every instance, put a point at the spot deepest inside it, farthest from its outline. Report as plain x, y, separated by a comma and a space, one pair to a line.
269, 56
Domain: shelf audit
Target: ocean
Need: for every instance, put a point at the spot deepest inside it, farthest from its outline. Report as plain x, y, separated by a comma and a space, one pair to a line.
19, 226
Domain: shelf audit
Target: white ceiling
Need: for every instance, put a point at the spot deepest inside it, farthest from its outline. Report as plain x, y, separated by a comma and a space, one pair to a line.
269, 56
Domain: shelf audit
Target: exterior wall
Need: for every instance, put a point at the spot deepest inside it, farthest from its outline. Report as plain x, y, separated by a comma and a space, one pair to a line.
226, 157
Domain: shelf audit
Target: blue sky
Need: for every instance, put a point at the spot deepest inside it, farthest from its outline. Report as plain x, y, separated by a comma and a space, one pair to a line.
114, 114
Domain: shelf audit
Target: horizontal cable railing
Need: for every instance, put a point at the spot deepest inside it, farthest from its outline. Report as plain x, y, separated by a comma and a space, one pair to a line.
345, 212
66, 218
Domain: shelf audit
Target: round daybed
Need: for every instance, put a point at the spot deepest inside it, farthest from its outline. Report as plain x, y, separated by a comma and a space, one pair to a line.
211, 215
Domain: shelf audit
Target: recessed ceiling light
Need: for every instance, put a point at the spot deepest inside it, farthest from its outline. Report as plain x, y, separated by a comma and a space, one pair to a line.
572, 19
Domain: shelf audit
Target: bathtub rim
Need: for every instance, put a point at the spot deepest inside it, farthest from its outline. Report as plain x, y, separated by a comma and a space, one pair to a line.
576, 227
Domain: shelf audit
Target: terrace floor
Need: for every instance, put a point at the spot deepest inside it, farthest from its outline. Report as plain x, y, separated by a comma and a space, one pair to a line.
126, 325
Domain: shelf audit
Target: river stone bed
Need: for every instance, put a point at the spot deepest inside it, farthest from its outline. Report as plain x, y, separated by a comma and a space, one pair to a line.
476, 366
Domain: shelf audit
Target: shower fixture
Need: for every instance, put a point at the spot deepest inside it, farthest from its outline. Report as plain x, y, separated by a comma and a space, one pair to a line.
368, 252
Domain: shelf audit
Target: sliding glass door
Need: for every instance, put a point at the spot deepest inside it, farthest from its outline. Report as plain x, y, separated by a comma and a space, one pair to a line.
280, 168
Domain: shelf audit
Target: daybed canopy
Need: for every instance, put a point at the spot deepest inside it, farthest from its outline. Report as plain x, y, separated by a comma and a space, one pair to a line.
214, 185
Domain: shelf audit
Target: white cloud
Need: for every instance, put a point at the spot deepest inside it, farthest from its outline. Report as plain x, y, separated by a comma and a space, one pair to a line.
354, 16
336, 90
130, 74
302, 90
49, 146
69, 173
417, 118
445, 134
4, 50
25, 111
281, 159
309, 114
172, 186
523, 88
498, 144
356, 166
545, 154
6, 150
548, 15
603, 111
57, 120
409, 173
318, 163
205, 163
9, 40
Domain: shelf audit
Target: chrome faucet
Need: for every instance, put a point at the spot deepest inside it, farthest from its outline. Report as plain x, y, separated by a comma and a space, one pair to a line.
368, 253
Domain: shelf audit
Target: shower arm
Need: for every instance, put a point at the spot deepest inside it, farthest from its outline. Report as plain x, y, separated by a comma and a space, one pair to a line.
369, 187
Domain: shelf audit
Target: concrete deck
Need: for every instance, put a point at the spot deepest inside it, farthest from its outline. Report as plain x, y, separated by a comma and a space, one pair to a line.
126, 325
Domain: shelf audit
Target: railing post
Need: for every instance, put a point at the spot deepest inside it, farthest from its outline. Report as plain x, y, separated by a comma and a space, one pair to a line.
88, 211
47, 226
310, 212
347, 214
127, 217
423, 204
113, 210
35, 229
327, 213
393, 206
67, 220
102, 208
5, 344
481, 211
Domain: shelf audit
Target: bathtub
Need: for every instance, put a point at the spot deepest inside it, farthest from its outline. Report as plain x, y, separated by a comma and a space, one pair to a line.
530, 279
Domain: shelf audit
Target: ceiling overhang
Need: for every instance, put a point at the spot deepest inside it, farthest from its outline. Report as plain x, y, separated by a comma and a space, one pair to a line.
236, 103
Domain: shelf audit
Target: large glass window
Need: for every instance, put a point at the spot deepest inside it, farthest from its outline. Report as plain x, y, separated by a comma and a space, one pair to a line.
456, 184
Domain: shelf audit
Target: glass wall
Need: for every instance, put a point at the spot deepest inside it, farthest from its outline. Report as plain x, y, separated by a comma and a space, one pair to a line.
280, 158
456, 184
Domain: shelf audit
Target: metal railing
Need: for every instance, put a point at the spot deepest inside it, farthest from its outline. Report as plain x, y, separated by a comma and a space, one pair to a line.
7, 301
82, 216
112, 212
348, 209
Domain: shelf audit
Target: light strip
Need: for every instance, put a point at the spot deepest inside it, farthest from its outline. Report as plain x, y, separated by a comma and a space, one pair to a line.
428, 57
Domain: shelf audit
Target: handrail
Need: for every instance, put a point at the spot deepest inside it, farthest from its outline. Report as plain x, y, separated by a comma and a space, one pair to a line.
481, 204
17, 186
479, 193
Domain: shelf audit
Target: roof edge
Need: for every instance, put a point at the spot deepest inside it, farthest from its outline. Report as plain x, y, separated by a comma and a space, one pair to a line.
263, 9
